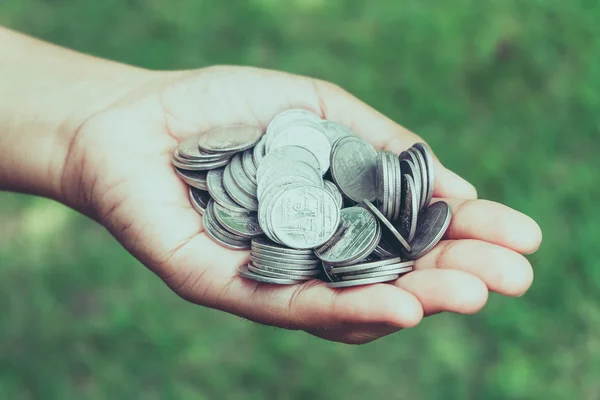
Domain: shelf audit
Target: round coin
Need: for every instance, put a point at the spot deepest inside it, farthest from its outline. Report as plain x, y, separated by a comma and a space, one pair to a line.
248, 165
423, 172
407, 223
285, 156
246, 273
387, 224
409, 165
432, 223
288, 118
360, 282
236, 193
239, 223
335, 131
270, 273
310, 137
199, 166
230, 138
360, 229
335, 192
199, 199
376, 274
424, 150
304, 217
214, 182
269, 245
196, 179
353, 167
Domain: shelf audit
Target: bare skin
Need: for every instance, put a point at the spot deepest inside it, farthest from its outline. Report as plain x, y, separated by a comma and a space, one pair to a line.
98, 136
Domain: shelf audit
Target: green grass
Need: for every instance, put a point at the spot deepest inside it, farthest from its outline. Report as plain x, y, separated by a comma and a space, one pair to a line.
507, 93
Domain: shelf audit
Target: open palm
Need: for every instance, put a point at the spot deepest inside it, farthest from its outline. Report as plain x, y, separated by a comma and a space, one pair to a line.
118, 171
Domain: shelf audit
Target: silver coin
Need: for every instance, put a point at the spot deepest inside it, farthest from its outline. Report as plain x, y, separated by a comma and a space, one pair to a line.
260, 252
360, 228
304, 217
390, 187
397, 187
353, 168
218, 236
188, 152
410, 166
387, 224
371, 265
335, 193
407, 223
259, 262
199, 199
288, 272
290, 170
360, 282
238, 195
243, 224
268, 245
204, 159
248, 165
403, 267
382, 252
428, 156
376, 274
188, 149
335, 131
210, 210
382, 183
265, 209
270, 273
285, 156
262, 256
288, 118
199, 166
240, 178
279, 182
244, 272
387, 248
196, 179
214, 183
310, 137
432, 224
230, 138
259, 151
423, 173
362, 257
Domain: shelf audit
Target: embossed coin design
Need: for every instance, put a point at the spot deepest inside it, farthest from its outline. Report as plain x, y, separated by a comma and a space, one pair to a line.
305, 217
353, 167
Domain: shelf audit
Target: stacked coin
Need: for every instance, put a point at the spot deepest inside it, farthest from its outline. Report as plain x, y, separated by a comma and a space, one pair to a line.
273, 263
309, 186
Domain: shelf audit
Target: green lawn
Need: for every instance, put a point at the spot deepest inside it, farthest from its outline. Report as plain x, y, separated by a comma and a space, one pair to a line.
508, 94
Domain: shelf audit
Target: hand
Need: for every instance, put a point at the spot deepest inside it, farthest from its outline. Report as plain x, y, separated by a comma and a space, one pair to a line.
118, 171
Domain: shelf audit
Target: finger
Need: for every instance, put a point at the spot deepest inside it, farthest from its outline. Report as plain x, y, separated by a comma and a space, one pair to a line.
445, 290
313, 305
383, 133
502, 270
495, 223
355, 333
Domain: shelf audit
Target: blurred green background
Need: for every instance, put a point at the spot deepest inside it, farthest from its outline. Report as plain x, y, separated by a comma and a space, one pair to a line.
506, 92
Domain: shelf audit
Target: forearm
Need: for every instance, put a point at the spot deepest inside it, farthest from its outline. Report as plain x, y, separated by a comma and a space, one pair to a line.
46, 93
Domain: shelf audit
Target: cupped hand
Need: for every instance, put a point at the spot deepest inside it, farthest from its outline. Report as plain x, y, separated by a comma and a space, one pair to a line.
118, 171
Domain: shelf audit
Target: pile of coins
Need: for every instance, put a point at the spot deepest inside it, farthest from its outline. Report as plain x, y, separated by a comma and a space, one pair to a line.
310, 199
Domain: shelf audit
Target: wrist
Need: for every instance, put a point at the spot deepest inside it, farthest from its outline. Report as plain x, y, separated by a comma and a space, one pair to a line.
48, 93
